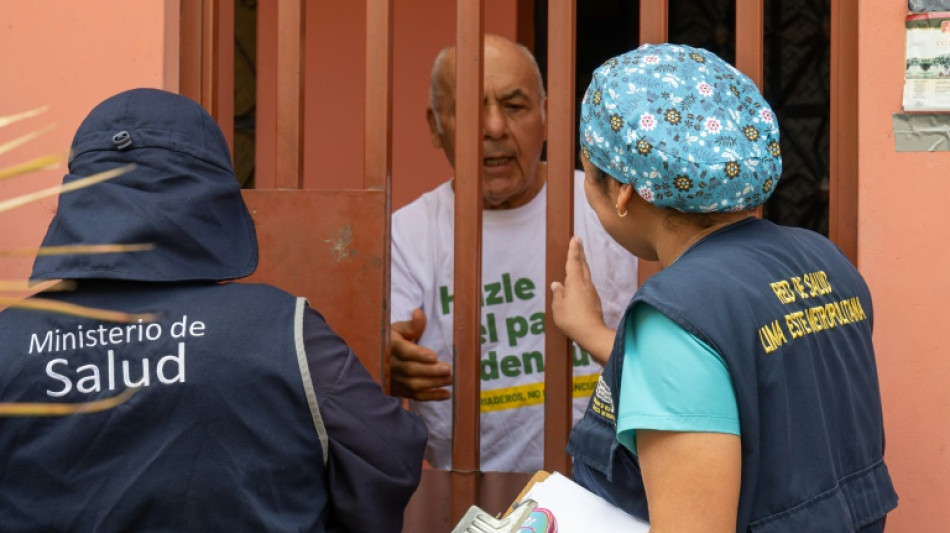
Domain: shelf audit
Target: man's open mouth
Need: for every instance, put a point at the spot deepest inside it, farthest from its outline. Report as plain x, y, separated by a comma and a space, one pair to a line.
496, 161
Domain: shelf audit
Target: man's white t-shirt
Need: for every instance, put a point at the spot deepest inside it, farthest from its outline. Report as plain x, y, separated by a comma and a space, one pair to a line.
513, 322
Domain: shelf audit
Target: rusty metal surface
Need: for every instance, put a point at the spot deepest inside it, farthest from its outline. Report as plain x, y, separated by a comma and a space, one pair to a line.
843, 194
558, 370
468, 254
750, 27
378, 133
265, 115
206, 68
327, 245
654, 21
654, 29
289, 79
525, 30
428, 511
279, 151
378, 145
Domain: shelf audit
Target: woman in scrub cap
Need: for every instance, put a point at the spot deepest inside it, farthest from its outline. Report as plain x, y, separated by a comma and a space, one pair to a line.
741, 391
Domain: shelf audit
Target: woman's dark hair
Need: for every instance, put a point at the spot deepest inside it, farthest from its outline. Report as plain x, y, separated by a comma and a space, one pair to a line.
601, 177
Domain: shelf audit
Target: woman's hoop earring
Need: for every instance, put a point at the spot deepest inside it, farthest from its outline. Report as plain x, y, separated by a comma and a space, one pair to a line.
621, 215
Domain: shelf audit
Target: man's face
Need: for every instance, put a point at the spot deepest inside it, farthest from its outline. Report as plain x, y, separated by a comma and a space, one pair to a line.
514, 126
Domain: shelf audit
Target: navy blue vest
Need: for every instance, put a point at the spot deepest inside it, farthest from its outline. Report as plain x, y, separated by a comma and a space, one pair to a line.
792, 319
218, 438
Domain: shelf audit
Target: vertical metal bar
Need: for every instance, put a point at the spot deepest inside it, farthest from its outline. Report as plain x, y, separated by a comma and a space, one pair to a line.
173, 21
654, 21
278, 158
289, 59
379, 79
558, 367
208, 50
468, 254
207, 60
219, 27
750, 44
525, 27
750, 28
190, 42
265, 145
654, 29
378, 135
843, 171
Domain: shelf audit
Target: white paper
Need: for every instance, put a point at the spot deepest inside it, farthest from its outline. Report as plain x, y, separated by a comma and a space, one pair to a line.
578, 510
927, 65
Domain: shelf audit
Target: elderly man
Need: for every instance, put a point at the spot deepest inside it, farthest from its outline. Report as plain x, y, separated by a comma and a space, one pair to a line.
513, 276
250, 415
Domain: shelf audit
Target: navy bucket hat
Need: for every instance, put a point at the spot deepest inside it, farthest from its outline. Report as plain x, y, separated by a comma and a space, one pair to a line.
685, 128
182, 197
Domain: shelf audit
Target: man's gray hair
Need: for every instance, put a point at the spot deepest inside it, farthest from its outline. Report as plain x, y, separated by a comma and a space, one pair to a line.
437, 88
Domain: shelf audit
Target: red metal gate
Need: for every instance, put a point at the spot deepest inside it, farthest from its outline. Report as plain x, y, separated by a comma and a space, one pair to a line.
309, 236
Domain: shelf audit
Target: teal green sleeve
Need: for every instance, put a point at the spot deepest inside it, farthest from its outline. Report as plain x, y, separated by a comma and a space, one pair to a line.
671, 381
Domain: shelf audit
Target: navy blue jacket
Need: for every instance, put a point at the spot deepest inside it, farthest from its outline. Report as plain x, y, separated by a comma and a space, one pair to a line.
251, 414
792, 319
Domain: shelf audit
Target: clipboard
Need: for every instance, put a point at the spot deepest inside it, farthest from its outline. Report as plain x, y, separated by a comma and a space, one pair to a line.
538, 477
552, 502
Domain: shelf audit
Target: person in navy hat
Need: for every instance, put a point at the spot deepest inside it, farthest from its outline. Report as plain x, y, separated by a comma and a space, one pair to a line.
741, 391
250, 413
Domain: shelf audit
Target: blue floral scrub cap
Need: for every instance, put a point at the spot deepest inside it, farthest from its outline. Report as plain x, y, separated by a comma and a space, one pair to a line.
685, 128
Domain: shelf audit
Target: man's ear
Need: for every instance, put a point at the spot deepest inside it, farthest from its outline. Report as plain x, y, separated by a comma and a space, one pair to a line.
435, 136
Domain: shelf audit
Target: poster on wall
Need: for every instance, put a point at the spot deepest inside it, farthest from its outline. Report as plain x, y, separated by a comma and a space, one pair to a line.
927, 65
